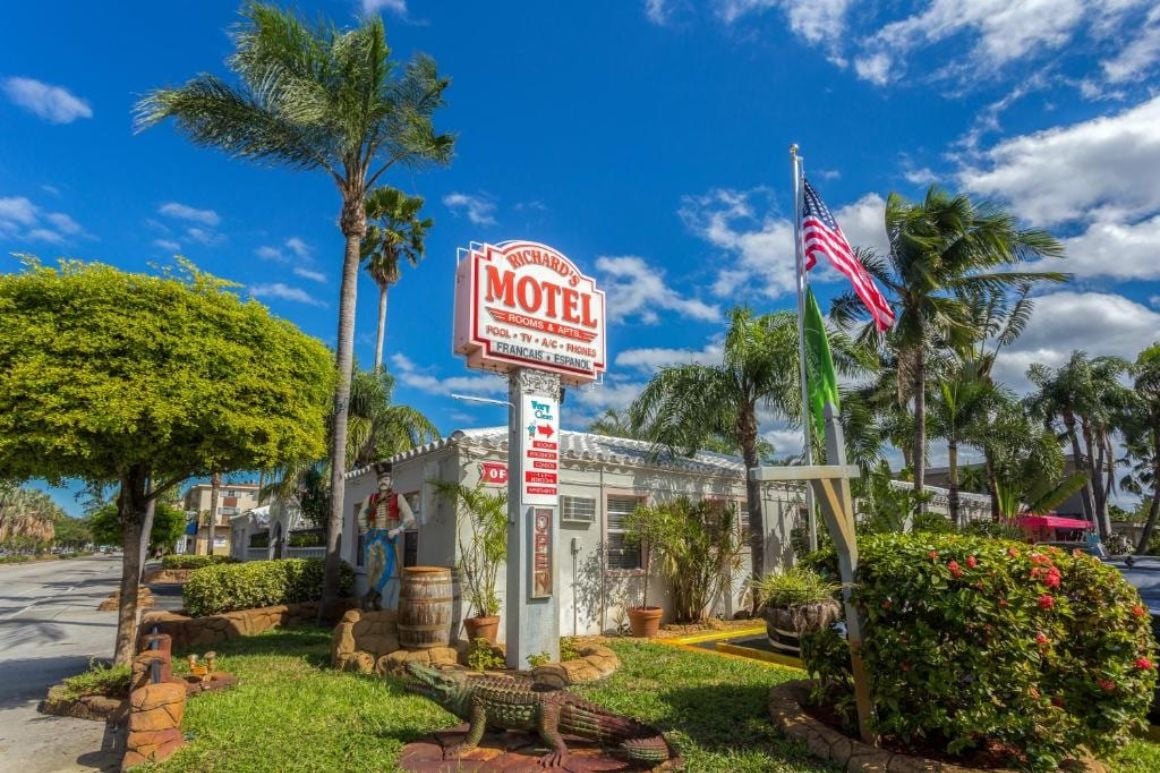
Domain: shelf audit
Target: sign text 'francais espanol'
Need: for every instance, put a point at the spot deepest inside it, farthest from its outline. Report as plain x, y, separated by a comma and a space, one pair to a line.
523, 304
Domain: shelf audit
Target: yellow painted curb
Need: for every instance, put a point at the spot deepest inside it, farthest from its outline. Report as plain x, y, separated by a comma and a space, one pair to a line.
714, 636
752, 654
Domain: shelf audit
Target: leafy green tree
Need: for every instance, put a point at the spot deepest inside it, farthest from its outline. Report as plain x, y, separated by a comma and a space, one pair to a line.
102, 379
323, 99
682, 407
71, 533
944, 250
961, 399
395, 236
104, 524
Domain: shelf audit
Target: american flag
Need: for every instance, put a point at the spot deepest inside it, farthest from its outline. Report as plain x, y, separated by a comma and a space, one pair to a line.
821, 235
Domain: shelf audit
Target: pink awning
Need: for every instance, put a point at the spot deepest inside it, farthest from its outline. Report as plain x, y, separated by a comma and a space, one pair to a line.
1052, 522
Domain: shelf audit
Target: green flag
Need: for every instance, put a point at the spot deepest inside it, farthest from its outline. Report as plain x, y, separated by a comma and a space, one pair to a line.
821, 381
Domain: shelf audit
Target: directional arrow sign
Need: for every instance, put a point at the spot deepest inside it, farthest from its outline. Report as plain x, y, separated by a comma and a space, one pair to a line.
539, 451
546, 430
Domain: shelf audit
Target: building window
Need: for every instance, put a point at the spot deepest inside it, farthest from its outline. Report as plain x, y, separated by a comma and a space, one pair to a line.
577, 510
621, 555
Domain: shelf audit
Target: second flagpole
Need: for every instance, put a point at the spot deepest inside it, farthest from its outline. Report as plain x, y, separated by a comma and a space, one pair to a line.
799, 256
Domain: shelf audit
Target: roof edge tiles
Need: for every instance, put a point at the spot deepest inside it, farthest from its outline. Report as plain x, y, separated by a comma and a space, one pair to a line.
582, 447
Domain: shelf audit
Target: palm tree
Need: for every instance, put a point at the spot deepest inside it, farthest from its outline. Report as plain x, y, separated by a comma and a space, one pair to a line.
682, 407
395, 235
326, 99
961, 398
1142, 436
613, 423
943, 250
380, 429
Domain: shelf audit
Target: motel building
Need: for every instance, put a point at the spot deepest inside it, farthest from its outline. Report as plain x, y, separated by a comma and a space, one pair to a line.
601, 480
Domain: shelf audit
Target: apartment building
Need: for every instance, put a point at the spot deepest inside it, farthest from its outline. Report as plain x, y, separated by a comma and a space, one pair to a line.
233, 499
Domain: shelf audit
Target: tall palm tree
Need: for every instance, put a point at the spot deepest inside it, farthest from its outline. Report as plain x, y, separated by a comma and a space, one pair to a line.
683, 406
961, 398
1142, 436
943, 250
1082, 394
323, 99
613, 423
379, 429
395, 235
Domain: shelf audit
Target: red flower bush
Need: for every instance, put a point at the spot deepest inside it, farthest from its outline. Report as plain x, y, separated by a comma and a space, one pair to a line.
972, 562
954, 568
998, 662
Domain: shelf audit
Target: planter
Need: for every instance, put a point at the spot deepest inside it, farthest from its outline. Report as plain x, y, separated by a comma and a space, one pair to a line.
482, 627
784, 626
645, 621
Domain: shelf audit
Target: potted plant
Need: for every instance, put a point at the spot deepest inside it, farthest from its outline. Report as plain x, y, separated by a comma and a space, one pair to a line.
646, 526
480, 553
796, 602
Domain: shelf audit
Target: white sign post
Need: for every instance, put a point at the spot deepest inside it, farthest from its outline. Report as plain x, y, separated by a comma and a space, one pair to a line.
524, 309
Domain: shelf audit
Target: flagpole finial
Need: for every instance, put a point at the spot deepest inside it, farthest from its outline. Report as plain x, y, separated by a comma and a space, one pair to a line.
793, 149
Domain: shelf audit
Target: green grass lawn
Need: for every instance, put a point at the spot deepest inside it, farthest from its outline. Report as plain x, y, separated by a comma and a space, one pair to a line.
290, 711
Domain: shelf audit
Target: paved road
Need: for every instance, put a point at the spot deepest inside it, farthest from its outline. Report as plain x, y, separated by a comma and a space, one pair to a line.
49, 629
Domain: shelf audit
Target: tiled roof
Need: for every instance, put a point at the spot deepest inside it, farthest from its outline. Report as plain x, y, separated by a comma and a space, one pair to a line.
585, 446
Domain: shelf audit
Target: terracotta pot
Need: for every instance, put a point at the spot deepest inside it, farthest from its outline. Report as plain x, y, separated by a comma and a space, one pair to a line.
482, 627
645, 621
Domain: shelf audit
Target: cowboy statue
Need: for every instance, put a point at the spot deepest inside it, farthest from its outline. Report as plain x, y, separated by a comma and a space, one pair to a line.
385, 516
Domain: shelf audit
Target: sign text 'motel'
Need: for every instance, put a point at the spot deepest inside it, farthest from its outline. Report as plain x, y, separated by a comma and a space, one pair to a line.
523, 304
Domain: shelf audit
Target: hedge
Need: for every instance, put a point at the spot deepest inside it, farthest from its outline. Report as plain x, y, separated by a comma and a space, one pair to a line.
254, 584
193, 561
974, 643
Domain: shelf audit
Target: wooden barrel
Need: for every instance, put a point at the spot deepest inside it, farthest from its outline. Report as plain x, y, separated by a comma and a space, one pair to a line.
425, 602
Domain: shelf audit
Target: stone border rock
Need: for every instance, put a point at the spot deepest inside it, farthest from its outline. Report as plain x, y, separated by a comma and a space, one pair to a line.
190, 632
596, 662
785, 708
95, 707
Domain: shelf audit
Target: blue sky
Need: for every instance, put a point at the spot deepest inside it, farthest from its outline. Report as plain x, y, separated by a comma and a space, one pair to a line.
647, 140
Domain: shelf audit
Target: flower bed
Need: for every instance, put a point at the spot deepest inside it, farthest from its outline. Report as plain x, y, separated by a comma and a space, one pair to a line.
973, 642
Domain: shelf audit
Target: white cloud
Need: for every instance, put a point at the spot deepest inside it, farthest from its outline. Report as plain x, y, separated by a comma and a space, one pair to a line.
764, 248
284, 292
584, 404
1105, 169
479, 210
875, 68
1136, 59
52, 103
418, 378
650, 359
393, 6
815, 21
20, 218
272, 254
922, 176
1098, 323
636, 289
299, 247
306, 273
166, 244
204, 235
1117, 250
657, 11
185, 212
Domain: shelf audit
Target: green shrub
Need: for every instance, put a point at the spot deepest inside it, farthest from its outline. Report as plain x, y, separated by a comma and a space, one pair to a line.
194, 562
971, 641
228, 587
796, 585
482, 656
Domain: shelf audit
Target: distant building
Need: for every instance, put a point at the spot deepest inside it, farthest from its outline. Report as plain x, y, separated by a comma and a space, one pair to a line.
233, 499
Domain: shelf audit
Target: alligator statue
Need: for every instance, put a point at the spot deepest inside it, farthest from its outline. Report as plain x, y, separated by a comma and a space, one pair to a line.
517, 703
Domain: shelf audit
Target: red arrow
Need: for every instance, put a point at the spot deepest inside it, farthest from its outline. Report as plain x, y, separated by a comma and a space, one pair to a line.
545, 430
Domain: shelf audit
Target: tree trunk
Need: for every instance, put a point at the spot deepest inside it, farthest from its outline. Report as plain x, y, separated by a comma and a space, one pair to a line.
354, 229
382, 333
953, 480
131, 506
215, 486
1089, 509
1094, 477
919, 450
1150, 524
747, 431
992, 488
147, 529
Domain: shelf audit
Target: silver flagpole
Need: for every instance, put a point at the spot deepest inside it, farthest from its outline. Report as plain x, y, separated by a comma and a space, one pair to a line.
799, 255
